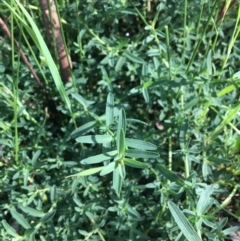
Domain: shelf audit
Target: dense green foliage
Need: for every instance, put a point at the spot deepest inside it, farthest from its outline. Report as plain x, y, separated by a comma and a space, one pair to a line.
143, 144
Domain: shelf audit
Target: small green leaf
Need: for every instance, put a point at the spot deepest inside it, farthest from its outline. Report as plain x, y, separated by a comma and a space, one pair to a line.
141, 154
48, 216
31, 211
209, 62
121, 170
121, 143
117, 181
9, 229
83, 129
111, 59
35, 156
121, 122
20, 219
139, 144
94, 139
90, 171
53, 193
170, 175
81, 100
122, 44
205, 202
110, 109
147, 84
226, 90
100, 158
135, 164
121, 61
107, 169
134, 58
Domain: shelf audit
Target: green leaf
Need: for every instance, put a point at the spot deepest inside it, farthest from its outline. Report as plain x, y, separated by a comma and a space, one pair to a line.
146, 96
20, 219
111, 59
90, 171
121, 169
135, 164
29, 232
107, 169
182, 222
31, 211
121, 143
209, 62
134, 58
35, 156
170, 175
48, 217
100, 158
136, 121
139, 144
117, 181
110, 109
9, 229
122, 44
81, 100
121, 61
53, 193
226, 90
205, 202
94, 139
141, 154
121, 122
83, 129
147, 84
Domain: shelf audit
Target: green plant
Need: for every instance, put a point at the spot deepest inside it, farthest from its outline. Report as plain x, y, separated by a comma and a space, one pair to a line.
143, 144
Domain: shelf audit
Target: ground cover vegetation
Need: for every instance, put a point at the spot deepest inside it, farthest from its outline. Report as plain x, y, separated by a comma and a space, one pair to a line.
130, 130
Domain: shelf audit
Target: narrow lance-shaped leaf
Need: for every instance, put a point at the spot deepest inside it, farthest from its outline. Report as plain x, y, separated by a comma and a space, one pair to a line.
121, 122
139, 144
205, 201
53, 193
170, 175
93, 139
121, 61
90, 171
81, 100
135, 163
100, 158
48, 216
83, 129
31, 211
121, 143
109, 120
141, 154
117, 181
20, 219
108, 169
9, 229
121, 169
182, 222
134, 58
110, 109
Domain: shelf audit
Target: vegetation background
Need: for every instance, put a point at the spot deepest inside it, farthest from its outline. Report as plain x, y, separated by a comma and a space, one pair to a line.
136, 137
